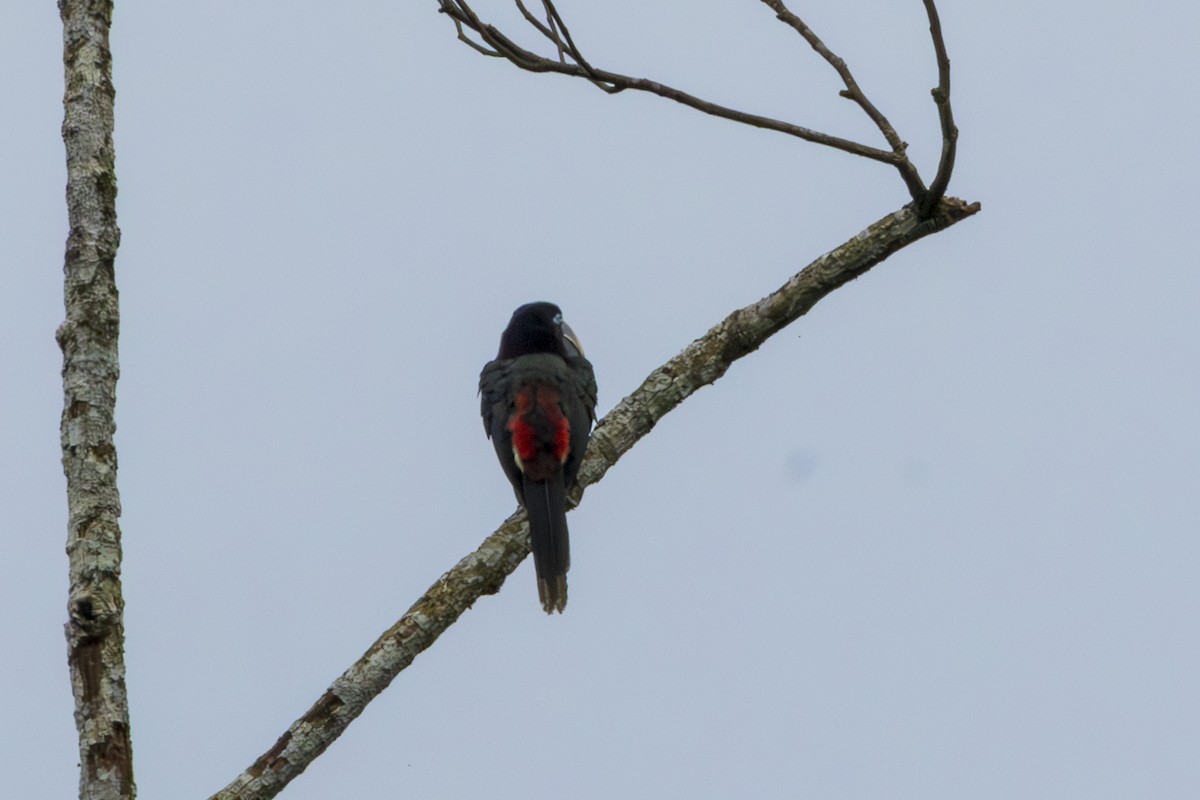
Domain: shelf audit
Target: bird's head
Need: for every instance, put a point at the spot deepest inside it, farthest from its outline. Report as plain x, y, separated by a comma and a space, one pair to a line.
538, 328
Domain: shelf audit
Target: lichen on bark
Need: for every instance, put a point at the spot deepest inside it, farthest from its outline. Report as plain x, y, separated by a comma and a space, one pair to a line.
88, 339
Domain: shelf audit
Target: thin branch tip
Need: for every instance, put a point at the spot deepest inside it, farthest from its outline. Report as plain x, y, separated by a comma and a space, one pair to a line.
941, 98
569, 60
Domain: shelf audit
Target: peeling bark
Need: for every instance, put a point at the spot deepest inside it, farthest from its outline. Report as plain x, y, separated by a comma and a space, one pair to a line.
88, 338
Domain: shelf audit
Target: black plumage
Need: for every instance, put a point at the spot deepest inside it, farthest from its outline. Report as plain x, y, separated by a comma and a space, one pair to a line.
538, 401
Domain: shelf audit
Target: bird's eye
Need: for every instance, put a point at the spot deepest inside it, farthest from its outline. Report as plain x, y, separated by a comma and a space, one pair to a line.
558, 319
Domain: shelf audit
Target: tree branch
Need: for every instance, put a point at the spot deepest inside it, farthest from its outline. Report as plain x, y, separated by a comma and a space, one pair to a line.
484, 571
88, 338
612, 82
941, 96
571, 62
908, 172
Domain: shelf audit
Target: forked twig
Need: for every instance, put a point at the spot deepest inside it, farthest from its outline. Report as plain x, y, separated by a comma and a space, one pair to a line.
462, 37
941, 96
852, 90
551, 13
570, 61
614, 82
855, 93
564, 43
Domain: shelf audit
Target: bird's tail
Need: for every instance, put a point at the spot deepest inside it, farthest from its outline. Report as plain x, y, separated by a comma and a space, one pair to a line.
546, 506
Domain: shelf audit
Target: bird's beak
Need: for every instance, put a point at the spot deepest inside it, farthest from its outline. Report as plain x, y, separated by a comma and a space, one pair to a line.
572, 341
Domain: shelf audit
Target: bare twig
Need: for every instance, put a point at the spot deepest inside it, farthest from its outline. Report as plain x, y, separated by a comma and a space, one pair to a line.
564, 43
483, 572
551, 13
852, 92
562, 25
462, 37
545, 29
614, 82
571, 62
941, 96
88, 338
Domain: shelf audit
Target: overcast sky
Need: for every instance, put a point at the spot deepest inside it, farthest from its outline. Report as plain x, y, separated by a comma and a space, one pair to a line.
936, 540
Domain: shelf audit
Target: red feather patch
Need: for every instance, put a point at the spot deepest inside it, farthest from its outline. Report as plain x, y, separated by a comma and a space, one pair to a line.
541, 432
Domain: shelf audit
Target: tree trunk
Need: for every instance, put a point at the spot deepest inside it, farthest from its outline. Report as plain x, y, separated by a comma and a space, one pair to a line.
88, 338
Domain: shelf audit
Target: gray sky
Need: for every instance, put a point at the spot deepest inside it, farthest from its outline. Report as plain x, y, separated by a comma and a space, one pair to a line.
936, 540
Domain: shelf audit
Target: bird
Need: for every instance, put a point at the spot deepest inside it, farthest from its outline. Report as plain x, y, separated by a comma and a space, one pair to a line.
538, 402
